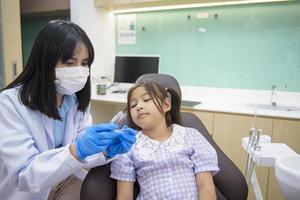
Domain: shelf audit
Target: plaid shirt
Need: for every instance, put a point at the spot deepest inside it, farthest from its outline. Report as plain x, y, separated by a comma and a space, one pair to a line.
166, 170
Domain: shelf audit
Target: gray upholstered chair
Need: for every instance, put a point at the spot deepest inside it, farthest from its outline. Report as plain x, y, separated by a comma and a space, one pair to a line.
230, 183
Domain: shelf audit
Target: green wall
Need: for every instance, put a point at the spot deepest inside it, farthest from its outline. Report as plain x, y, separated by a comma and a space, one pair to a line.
30, 28
247, 46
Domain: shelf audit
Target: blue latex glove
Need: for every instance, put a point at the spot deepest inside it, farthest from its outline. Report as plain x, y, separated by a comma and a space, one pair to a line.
96, 139
124, 143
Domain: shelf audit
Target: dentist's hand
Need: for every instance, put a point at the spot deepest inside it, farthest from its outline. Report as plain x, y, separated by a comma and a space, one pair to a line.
95, 140
124, 142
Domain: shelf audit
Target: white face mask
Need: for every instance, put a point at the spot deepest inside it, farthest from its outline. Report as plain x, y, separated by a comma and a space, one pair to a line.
70, 80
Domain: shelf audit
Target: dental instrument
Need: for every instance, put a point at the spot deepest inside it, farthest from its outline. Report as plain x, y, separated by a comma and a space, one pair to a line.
256, 147
251, 142
118, 117
252, 132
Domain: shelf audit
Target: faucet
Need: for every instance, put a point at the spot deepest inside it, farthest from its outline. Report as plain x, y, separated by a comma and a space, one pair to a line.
273, 95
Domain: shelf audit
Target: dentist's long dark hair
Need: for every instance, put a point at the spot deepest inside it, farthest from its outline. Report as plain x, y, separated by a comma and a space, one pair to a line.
58, 40
158, 94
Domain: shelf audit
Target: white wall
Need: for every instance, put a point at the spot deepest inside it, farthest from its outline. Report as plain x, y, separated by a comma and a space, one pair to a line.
99, 26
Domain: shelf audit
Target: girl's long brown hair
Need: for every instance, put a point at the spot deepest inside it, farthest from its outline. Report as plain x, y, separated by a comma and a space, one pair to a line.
158, 94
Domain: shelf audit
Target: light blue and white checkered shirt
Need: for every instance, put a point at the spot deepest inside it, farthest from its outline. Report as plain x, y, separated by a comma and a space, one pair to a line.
167, 170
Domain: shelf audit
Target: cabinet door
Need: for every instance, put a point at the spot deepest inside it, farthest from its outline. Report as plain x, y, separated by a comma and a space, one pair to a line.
228, 131
205, 117
1, 54
11, 48
103, 112
288, 132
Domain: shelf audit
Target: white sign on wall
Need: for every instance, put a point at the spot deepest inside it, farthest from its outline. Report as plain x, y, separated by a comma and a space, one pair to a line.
126, 29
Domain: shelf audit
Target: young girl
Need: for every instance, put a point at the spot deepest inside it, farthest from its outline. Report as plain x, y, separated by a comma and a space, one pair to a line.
168, 160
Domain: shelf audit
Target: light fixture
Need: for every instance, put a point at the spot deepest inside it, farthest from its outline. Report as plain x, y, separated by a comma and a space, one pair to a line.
195, 5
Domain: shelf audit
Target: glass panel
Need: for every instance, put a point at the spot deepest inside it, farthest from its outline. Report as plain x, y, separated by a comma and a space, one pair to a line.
251, 46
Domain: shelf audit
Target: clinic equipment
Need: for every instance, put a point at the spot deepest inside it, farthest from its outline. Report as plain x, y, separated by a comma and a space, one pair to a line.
254, 144
261, 152
287, 172
128, 68
266, 156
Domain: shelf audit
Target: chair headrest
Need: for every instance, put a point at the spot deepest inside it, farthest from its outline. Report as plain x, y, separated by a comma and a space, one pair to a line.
164, 80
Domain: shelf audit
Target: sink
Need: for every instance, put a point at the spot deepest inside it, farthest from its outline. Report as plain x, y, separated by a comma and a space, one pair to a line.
287, 172
276, 108
190, 103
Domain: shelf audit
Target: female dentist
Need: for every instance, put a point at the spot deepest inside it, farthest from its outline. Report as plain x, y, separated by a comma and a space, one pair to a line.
46, 135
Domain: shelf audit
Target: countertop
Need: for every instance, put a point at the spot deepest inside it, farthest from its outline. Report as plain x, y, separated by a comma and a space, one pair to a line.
239, 101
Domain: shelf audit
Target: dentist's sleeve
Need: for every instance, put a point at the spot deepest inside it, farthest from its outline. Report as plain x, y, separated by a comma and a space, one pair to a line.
28, 168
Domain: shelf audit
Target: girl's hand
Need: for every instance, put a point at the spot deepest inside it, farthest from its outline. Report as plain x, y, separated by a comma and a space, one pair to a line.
206, 187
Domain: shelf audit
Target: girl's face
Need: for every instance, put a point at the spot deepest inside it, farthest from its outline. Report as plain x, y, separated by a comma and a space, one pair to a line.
144, 112
80, 58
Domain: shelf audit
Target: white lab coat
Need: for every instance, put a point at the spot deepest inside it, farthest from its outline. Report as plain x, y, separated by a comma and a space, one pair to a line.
29, 164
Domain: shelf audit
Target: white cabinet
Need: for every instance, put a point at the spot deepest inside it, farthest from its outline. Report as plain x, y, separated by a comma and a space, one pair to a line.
125, 4
105, 3
145, 1
121, 1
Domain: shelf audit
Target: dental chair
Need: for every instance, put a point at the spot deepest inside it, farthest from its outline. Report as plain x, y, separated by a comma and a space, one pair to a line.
230, 183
